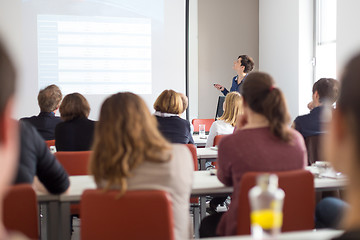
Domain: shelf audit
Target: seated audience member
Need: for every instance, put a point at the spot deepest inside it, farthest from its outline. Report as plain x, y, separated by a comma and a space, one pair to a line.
341, 144
185, 101
168, 107
76, 131
8, 136
262, 142
325, 91
131, 154
49, 100
36, 160
329, 213
226, 123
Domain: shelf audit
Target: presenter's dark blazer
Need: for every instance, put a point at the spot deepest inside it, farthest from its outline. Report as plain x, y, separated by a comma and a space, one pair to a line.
74, 135
175, 129
44, 123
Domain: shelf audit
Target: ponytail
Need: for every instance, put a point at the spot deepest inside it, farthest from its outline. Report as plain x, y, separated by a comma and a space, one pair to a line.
263, 98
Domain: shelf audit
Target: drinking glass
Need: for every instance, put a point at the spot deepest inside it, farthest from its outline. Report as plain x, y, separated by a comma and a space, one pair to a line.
202, 130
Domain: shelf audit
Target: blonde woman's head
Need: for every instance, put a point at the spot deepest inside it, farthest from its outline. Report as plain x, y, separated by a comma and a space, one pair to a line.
169, 101
233, 106
126, 135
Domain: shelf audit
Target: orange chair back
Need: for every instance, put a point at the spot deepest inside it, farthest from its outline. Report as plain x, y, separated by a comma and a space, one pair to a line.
299, 202
217, 139
50, 143
207, 122
75, 163
20, 210
193, 151
136, 215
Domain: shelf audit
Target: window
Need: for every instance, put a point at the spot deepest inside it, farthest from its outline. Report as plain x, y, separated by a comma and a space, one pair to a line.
325, 43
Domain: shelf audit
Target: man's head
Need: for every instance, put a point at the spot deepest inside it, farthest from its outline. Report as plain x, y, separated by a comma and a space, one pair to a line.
49, 98
325, 90
8, 127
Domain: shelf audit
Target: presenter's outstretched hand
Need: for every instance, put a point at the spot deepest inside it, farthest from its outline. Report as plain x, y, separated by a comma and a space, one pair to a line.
219, 87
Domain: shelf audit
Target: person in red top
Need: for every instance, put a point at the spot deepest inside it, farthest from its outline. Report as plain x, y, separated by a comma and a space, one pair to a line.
263, 141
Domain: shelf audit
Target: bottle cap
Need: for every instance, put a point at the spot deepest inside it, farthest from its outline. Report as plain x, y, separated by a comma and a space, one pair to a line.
266, 181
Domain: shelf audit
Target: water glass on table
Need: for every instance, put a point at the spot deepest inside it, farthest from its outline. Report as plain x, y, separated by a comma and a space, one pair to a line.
202, 131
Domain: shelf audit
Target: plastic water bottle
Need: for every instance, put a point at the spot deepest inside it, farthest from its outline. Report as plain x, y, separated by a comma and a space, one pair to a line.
266, 201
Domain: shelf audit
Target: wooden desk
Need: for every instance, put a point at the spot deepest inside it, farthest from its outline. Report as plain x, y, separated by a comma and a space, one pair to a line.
204, 184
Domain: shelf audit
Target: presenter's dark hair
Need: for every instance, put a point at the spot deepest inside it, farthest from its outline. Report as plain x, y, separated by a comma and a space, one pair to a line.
7, 78
247, 62
73, 106
262, 97
328, 89
49, 98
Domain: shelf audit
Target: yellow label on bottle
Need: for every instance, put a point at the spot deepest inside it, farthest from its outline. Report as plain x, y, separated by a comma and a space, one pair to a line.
267, 218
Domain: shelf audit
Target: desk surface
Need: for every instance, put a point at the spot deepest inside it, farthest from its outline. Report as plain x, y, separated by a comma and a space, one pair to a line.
325, 234
199, 142
203, 184
206, 153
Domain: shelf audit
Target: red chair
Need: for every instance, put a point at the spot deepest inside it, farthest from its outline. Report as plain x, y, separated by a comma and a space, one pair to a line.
50, 143
194, 201
216, 143
136, 215
207, 122
20, 211
192, 149
75, 163
217, 139
299, 202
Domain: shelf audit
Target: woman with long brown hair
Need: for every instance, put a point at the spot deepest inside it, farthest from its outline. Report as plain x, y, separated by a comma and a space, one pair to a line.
263, 141
130, 153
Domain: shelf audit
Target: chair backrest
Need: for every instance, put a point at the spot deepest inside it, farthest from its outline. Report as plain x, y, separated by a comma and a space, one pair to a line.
217, 139
193, 151
50, 143
75, 163
313, 149
136, 215
20, 210
207, 122
299, 202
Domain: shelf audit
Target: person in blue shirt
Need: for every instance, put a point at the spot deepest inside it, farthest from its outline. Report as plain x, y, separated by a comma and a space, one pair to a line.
243, 65
325, 91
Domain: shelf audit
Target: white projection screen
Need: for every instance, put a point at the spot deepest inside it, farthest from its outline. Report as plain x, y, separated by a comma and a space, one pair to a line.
97, 48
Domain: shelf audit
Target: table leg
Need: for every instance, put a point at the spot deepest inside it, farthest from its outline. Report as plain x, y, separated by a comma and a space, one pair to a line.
65, 218
202, 163
49, 221
202, 207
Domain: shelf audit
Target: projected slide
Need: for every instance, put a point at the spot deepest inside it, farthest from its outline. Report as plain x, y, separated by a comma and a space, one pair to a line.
96, 55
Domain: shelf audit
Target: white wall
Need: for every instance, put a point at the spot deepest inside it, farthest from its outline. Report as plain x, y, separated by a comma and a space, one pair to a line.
193, 58
227, 29
348, 34
11, 35
284, 47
